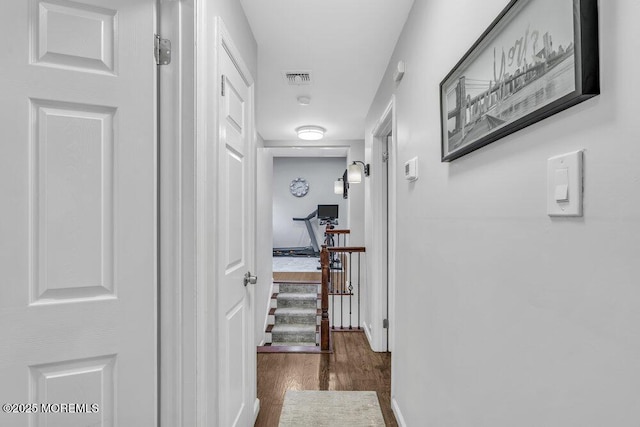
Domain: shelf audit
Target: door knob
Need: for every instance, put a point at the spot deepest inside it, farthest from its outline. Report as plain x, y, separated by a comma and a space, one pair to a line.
249, 279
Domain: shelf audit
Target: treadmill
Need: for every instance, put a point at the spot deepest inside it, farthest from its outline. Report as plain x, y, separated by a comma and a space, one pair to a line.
304, 251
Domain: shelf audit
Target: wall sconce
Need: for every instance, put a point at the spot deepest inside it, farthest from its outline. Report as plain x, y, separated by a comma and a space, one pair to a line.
355, 174
341, 186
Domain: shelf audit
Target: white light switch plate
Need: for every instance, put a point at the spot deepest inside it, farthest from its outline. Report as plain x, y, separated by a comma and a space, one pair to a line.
564, 184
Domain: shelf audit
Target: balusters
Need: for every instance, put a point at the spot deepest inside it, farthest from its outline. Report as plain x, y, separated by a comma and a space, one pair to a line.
341, 269
324, 299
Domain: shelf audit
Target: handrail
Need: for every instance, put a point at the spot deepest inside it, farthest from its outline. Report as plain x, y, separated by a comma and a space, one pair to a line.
347, 249
324, 322
334, 231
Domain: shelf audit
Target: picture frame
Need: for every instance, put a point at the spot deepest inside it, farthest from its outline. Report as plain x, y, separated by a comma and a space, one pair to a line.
537, 58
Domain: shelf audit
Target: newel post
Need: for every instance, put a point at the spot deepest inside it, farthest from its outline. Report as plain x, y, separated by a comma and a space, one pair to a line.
324, 322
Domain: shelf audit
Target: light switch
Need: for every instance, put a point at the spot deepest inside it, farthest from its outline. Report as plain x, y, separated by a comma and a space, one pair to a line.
564, 184
562, 193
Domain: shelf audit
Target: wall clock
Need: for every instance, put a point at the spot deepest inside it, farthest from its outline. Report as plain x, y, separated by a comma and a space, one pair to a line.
299, 187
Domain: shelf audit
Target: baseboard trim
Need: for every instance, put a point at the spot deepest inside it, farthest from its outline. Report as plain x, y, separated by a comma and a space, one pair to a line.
396, 411
367, 332
256, 409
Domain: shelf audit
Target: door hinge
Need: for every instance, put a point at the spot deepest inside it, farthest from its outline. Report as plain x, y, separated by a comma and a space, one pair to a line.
222, 86
385, 156
385, 323
162, 51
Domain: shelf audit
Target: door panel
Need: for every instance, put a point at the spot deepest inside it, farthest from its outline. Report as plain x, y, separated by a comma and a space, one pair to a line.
235, 361
235, 225
235, 108
78, 211
71, 171
73, 35
234, 228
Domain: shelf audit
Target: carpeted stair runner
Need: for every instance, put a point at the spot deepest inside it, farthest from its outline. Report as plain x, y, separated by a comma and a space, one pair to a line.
295, 316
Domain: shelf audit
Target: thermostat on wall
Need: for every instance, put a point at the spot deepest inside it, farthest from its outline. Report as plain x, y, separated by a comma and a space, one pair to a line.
411, 169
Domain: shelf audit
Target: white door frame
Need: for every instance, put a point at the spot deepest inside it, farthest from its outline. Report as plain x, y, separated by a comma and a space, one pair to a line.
385, 125
264, 250
177, 294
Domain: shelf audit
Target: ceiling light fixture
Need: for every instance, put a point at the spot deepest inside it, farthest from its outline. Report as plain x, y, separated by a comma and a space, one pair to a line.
310, 133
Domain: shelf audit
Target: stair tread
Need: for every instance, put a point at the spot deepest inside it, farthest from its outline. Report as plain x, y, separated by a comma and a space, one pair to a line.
272, 311
293, 344
297, 289
270, 327
297, 295
296, 310
293, 327
275, 294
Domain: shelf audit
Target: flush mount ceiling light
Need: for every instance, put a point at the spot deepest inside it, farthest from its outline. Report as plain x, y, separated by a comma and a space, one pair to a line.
310, 133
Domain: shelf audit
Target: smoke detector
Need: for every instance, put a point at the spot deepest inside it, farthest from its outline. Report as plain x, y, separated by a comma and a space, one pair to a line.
304, 100
298, 78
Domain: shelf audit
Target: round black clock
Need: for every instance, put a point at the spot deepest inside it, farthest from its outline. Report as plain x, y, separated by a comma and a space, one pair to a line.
299, 187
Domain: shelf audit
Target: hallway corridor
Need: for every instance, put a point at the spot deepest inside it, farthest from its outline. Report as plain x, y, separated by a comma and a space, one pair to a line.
352, 366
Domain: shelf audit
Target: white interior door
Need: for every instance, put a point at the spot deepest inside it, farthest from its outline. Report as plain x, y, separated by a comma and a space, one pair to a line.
78, 212
236, 160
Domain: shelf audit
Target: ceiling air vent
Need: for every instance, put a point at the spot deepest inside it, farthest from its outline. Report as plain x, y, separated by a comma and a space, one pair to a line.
297, 78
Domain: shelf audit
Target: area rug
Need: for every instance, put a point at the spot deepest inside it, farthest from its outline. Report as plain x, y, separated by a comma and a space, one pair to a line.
331, 409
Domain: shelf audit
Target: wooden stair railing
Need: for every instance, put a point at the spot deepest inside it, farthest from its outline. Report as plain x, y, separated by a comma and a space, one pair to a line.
338, 269
324, 300
341, 280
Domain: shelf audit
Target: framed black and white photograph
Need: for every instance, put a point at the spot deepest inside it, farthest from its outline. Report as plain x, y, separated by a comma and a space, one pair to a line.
537, 58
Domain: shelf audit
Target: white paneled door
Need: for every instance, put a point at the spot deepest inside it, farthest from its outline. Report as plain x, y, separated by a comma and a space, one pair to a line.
77, 213
236, 245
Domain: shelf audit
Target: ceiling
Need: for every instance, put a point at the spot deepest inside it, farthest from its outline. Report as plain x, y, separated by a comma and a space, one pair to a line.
346, 44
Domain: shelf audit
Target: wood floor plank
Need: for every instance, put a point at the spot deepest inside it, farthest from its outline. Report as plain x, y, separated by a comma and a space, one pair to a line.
352, 367
297, 275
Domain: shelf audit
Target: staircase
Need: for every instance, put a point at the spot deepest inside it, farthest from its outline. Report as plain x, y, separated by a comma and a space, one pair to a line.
294, 313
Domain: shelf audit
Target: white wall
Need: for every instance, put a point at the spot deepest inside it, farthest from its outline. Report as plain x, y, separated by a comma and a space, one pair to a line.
320, 173
505, 316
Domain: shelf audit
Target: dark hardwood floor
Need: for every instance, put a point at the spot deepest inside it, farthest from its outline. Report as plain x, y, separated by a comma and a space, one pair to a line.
297, 275
352, 366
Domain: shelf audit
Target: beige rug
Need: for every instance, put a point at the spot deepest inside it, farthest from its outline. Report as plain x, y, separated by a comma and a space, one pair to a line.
331, 409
